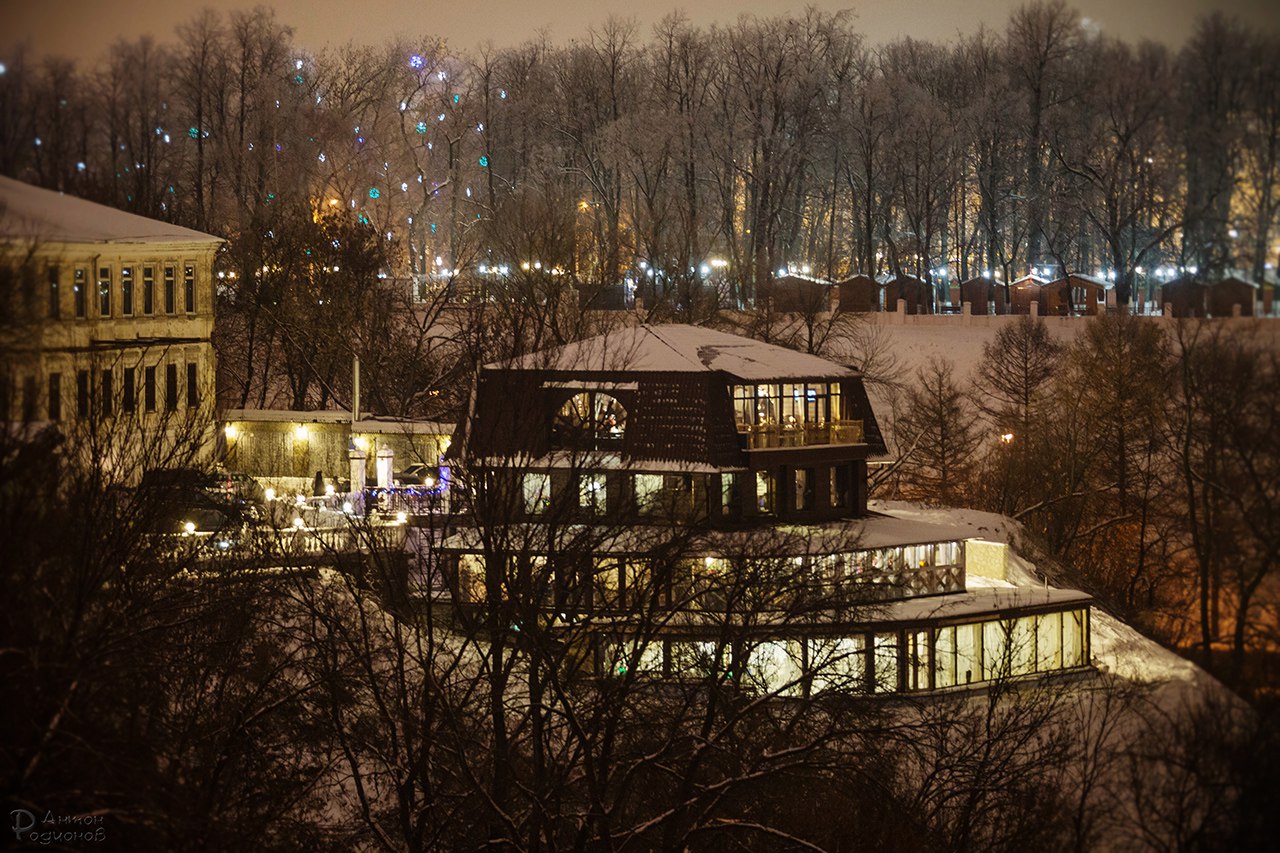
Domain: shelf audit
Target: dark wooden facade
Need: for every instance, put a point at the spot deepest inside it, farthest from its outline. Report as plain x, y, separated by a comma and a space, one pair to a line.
796, 294
860, 294
1023, 292
915, 292
979, 294
1185, 297
1226, 294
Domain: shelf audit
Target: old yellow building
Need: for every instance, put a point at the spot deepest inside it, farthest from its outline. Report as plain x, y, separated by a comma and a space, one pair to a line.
108, 333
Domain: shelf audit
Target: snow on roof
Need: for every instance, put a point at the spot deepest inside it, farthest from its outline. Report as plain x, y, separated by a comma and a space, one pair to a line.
32, 213
1091, 279
675, 348
1030, 279
795, 276
368, 424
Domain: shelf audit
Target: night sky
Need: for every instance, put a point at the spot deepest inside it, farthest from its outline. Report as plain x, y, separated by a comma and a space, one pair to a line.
85, 28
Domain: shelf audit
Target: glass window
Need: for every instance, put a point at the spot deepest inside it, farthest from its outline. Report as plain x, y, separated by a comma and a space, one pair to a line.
537, 492
108, 392
55, 296
995, 650
728, 494
592, 493
82, 393
170, 275
839, 664
944, 657
1022, 651
648, 492
79, 293
189, 288
126, 291
1074, 626
886, 663
171, 387
149, 388
764, 492
148, 290
471, 576
128, 400
643, 657
776, 666
104, 291
590, 418
607, 582
55, 396
968, 653
804, 488
699, 659
193, 388
1049, 642
918, 664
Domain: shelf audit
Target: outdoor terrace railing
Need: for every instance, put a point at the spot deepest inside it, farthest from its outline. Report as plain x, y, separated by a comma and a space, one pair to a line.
767, 436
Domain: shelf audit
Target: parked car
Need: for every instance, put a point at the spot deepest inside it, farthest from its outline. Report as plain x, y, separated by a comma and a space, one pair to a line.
417, 474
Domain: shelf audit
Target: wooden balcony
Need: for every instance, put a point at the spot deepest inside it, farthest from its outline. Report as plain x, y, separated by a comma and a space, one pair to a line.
767, 436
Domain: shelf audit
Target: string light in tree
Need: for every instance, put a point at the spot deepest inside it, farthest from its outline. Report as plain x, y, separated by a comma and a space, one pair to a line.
484, 161
415, 61
421, 127
373, 192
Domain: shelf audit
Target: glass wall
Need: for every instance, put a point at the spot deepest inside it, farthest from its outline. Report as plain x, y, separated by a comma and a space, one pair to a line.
913, 660
793, 414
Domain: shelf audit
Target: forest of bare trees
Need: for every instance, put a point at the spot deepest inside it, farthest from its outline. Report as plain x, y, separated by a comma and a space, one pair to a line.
762, 144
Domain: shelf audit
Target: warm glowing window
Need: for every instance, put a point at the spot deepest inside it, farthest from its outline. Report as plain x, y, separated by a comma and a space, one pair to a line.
588, 418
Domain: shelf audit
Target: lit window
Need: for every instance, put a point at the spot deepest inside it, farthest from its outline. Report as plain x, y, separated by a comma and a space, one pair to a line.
589, 418
537, 493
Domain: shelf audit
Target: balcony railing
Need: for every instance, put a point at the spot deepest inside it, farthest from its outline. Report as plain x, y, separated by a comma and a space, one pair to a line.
765, 436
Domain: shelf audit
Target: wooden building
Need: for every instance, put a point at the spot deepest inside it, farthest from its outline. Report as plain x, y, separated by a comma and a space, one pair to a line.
1186, 296
653, 477
860, 294
1226, 294
1023, 292
915, 292
980, 294
1075, 294
796, 294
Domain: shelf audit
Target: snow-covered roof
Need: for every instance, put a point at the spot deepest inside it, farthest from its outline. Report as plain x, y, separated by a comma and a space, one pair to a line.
1091, 279
368, 424
1030, 279
676, 348
45, 216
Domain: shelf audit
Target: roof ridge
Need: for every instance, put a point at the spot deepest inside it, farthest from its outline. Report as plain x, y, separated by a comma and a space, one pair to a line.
653, 331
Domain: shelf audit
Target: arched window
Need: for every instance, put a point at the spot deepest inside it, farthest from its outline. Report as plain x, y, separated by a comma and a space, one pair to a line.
590, 418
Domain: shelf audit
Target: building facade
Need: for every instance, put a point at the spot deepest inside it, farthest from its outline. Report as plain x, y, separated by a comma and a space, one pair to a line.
698, 501
110, 325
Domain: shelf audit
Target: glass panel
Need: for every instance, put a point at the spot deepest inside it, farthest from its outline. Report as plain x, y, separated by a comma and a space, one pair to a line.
698, 659
764, 492
606, 583
995, 650
471, 576
968, 648
1022, 653
776, 666
920, 660
1049, 642
1073, 638
886, 663
592, 493
537, 492
944, 657
648, 492
838, 664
